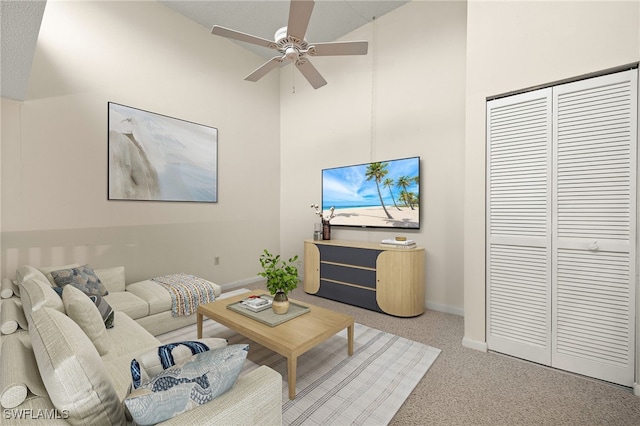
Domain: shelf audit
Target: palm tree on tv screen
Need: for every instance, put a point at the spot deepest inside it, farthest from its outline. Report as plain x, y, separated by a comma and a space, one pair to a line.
388, 183
377, 171
404, 182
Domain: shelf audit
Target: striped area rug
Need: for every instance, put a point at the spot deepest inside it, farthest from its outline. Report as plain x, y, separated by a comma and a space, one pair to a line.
333, 388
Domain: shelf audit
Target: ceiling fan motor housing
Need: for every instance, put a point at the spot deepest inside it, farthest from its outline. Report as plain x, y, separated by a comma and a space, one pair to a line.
290, 47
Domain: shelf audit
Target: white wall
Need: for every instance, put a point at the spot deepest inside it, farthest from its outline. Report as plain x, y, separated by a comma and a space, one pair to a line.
54, 146
512, 46
405, 98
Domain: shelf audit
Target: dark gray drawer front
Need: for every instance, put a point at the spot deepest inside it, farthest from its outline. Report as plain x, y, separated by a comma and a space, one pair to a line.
349, 255
349, 295
363, 277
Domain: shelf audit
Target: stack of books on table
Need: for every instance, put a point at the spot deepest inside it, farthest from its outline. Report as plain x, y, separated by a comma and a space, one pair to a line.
408, 244
256, 303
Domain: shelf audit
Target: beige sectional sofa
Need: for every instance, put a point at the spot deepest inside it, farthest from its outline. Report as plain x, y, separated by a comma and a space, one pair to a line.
72, 378
147, 302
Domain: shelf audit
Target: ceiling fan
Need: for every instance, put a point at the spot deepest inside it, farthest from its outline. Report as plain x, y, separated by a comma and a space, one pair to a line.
289, 41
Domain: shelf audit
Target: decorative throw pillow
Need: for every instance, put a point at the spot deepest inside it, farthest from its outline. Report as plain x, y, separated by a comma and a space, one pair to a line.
82, 277
154, 361
106, 311
84, 312
46, 271
178, 389
72, 371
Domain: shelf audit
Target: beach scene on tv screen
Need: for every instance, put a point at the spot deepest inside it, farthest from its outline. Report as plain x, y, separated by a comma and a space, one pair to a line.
378, 194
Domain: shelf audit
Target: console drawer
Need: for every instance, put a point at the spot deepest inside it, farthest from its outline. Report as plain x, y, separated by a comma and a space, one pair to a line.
347, 294
349, 255
346, 274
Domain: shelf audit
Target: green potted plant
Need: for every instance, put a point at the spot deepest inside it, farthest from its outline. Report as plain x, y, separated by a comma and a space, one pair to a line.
282, 277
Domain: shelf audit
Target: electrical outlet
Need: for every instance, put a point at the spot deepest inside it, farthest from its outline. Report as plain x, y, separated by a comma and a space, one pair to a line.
216, 260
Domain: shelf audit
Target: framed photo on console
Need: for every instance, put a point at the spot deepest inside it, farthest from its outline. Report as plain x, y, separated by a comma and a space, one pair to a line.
153, 157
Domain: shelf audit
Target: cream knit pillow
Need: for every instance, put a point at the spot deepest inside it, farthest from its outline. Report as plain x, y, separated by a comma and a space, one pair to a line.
72, 371
85, 313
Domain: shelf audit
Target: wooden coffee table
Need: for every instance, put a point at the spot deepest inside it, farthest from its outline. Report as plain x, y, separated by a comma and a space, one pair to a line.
290, 339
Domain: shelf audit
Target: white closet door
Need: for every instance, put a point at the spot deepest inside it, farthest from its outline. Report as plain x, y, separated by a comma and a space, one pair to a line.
518, 225
594, 227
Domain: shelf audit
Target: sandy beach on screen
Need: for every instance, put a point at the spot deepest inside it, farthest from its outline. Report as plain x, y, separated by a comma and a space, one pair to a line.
375, 216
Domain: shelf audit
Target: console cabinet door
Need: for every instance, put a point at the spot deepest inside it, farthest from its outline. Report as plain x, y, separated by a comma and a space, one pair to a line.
311, 268
401, 267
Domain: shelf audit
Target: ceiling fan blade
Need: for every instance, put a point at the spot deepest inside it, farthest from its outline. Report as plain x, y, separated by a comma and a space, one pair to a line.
310, 73
237, 35
264, 69
299, 16
339, 48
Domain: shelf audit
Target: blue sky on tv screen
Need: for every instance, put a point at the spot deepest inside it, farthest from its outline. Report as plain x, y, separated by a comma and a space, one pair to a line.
345, 187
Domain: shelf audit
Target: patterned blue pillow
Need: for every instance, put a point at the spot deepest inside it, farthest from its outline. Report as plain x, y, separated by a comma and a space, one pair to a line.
152, 362
178, 389
82, 277
106, 311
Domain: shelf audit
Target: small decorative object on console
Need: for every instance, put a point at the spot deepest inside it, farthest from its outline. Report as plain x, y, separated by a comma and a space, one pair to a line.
326, 225
403, 243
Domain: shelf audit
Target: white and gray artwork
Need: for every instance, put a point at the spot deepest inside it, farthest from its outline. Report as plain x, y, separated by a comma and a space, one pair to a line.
155, 157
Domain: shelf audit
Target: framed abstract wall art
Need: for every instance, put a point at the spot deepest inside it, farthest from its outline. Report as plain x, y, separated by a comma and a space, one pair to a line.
153, 157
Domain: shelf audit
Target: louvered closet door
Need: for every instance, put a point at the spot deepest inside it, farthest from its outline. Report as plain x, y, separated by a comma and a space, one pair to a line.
594, 227
518, 225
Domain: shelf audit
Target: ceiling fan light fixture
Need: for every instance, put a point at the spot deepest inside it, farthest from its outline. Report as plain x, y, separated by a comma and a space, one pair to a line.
280, 34
291, 53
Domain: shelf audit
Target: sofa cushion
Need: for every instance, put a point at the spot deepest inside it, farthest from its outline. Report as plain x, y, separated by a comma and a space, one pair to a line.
72, 370
82, 277
178, 389
85, 313
36, 293
126, 340
112, 278
154, 361
128, 303
157, 296
46, 271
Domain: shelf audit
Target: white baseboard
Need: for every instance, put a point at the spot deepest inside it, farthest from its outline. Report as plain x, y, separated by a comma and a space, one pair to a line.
636, 389
474, 344
445, 308
240, 283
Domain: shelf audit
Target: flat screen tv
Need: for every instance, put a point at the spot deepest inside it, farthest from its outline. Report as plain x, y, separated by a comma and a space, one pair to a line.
383, 194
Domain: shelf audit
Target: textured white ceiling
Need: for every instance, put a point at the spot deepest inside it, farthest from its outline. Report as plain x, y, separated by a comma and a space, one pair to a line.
19, 27
330, 20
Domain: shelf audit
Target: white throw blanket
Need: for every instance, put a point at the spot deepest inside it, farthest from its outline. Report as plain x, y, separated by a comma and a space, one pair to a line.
187, 292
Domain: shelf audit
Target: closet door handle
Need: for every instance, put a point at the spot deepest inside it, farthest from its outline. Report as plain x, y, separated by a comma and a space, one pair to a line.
593, 246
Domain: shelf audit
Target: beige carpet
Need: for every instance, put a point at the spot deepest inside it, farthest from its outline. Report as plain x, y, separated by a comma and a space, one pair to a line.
468, 387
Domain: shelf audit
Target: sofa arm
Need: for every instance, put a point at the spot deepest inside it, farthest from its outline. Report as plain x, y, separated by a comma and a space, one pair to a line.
255, 399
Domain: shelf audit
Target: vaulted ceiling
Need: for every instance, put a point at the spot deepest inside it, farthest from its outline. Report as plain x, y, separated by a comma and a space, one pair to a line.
331, 19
